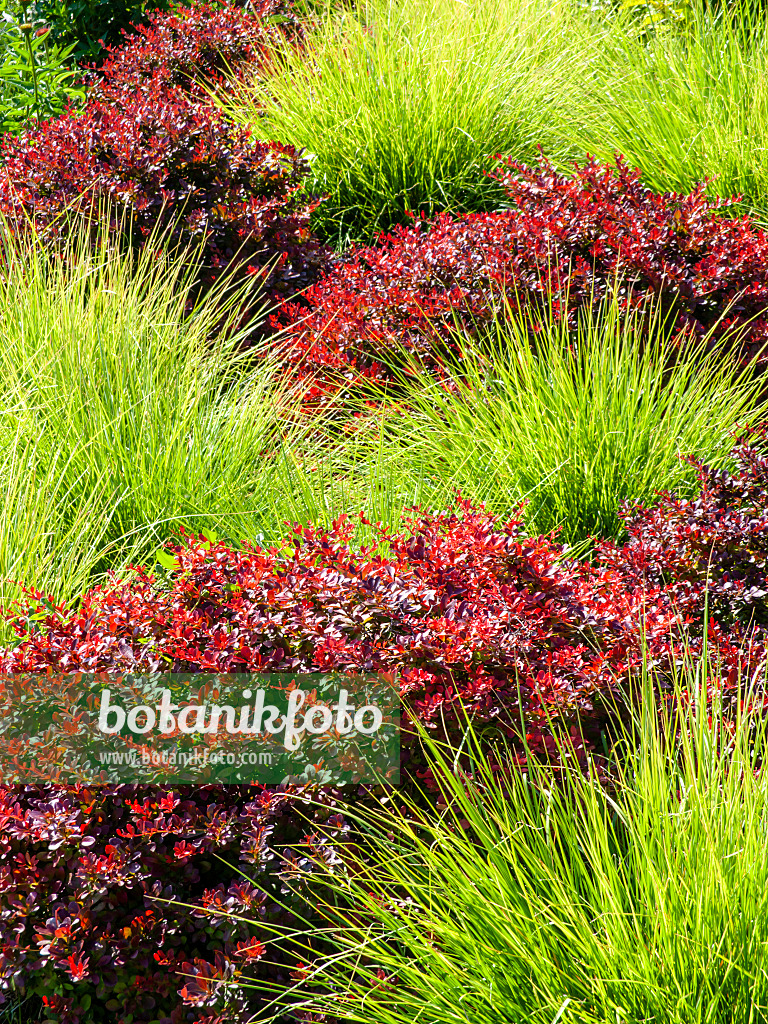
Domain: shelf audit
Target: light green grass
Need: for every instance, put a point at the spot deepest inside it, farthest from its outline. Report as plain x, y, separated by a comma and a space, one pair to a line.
118, 421
681, 104
574, 422
402, 103
124, 419
533, 902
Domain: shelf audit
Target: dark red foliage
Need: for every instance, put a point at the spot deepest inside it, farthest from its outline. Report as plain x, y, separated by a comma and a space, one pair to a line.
172, 166
602, 230
86, 876
166, 160
462, 606
714, 546
574, 238
198, 47
457, 604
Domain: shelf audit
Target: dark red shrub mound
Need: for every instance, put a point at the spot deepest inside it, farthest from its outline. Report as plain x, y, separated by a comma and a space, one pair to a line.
165, 160
459, 604
168, 165
198, 46
574, 238
86, 875
713, 546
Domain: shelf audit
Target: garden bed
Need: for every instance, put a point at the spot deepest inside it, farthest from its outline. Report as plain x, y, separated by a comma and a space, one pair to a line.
412, 338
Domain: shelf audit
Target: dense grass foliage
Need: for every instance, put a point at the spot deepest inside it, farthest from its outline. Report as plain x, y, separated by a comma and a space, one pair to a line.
400, 116
402, 104
121, 420
682, 105
577, 422
527, 900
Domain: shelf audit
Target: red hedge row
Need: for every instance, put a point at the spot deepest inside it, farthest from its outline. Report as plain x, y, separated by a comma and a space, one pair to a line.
149, 144
457, 604
574, 238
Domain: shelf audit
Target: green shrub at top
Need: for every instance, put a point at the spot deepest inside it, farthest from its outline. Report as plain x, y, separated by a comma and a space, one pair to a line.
90, 25
36, 80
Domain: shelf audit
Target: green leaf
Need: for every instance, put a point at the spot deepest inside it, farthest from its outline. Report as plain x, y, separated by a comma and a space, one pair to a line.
168, 561
211, 537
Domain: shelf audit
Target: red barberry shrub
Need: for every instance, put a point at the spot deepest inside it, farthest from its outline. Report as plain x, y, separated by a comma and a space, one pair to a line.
197, 48
165, 165
163, 161
565, 242
92, 885
459, 606
713, 547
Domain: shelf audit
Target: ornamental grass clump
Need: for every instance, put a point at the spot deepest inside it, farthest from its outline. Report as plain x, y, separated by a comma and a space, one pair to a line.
403, 103
682, 104
125, 416
575, 420
630, 892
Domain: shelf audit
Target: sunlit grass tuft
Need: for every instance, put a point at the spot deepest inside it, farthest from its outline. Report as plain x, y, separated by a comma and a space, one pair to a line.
533, 900
576, 422
401, 104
